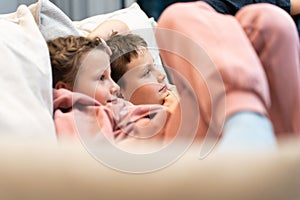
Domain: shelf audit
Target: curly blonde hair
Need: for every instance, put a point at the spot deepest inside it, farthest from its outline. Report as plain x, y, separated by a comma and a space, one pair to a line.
66, 54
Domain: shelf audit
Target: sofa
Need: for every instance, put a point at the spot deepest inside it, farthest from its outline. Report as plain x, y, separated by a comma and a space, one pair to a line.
34, 165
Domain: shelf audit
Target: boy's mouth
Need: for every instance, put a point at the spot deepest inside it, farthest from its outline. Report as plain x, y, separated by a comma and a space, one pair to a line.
163, 89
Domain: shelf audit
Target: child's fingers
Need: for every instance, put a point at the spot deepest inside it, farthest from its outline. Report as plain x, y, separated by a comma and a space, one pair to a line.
108, 50
171, 101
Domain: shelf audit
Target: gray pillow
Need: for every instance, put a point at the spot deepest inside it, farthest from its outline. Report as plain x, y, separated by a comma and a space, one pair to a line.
52, 21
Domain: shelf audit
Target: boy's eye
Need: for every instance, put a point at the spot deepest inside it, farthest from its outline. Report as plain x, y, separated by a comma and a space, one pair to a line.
147, 72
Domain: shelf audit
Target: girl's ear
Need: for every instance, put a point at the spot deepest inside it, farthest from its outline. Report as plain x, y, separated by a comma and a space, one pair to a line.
61, 84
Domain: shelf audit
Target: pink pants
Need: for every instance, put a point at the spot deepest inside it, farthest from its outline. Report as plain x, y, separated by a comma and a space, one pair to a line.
255, 54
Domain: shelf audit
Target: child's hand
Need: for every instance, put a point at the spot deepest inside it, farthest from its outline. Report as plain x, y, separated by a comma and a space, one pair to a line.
171, 100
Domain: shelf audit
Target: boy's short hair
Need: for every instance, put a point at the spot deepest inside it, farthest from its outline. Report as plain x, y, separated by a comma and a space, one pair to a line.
66, 54
124, 48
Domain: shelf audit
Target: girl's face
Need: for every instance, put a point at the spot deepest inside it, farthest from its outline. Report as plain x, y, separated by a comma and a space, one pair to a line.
94, 80
143, 83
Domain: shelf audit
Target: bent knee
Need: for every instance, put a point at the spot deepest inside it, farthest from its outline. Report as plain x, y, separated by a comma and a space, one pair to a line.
269, 18
183, 10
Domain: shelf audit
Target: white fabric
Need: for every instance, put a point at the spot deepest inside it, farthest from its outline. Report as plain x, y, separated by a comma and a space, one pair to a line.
133, 16
25, 81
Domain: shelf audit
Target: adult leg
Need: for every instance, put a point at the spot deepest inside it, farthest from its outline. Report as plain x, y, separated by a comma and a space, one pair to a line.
274, 36
197, 28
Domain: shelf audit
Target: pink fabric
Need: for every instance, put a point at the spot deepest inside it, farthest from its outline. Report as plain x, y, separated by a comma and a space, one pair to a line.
273, 35
188, 32
79, 116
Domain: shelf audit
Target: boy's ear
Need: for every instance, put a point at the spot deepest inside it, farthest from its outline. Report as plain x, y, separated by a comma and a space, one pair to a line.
61, 84
120, 94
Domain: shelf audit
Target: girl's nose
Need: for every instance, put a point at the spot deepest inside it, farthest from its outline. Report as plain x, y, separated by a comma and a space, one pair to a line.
115, 88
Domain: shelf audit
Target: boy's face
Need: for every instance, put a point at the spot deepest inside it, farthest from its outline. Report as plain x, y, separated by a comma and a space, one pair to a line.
94, 80
143, 83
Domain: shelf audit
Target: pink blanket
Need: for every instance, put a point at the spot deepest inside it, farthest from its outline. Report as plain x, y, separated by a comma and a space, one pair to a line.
78, 116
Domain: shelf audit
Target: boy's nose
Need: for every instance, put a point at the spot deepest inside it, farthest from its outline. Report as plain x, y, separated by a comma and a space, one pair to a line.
160, 76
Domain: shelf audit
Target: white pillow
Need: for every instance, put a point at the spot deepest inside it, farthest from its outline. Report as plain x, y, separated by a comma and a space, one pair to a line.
133, 16
25, 79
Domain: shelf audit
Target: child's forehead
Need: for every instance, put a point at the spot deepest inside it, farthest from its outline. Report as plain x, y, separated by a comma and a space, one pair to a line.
96, 54
144, 52
95, 59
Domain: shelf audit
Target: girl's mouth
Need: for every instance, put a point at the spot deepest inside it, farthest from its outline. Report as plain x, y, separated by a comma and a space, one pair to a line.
113, 101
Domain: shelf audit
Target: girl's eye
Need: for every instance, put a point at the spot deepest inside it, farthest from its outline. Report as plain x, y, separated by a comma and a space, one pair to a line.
102, 77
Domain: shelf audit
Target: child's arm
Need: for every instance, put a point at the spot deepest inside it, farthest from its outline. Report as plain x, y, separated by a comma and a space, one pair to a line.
106, 28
